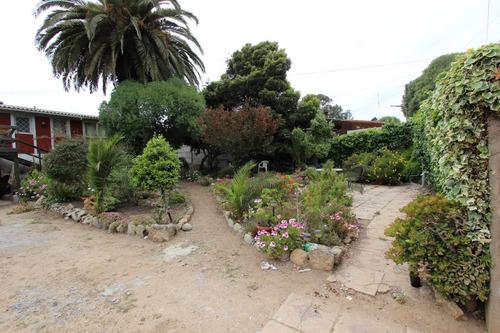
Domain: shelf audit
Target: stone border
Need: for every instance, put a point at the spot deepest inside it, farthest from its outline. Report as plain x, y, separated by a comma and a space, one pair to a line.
317, 257
154, 232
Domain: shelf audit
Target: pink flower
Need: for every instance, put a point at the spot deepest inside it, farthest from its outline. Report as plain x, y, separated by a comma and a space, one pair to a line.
272, 244
262, 244
278, 216
285, 234
257, 200
292, 220
285, 248
274, 233
256, 238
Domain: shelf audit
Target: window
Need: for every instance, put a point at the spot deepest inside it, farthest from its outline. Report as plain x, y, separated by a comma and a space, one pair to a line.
59, 128
90, 129
23, 124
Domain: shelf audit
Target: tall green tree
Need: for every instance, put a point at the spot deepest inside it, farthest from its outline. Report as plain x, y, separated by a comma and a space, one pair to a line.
318, 138
420, 89
332, 111
118, 40
137, 111
256, 73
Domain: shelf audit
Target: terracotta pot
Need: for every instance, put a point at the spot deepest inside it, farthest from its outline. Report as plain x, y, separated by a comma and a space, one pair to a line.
268, 229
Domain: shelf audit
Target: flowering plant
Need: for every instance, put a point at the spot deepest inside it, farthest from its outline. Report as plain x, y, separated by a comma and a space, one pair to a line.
33, 186
283, 238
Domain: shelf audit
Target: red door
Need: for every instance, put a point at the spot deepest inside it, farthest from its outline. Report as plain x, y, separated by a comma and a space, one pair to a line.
76, 128
28, 138
42, 128
5, 119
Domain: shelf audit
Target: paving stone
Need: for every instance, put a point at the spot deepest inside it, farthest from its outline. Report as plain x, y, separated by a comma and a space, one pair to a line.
274, 327
363, 280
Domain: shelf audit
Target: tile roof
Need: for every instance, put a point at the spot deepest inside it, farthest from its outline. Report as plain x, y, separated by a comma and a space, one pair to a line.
47, 112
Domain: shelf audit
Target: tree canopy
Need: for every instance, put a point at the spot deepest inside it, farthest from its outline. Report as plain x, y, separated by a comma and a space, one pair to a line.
332, 111
420, 89
137, 111
256, 73
118, 40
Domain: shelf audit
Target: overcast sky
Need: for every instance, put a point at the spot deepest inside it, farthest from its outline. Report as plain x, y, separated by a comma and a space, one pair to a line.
360, 53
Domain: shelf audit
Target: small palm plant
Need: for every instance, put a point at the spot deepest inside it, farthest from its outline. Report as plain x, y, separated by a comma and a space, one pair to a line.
103, 157
236, 190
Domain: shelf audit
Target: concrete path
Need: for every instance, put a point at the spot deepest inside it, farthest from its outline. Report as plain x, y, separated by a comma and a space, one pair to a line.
367, 270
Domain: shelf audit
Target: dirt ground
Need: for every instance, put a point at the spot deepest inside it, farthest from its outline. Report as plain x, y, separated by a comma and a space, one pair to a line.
60, 276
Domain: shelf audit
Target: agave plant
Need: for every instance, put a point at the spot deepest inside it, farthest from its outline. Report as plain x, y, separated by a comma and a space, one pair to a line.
104, 156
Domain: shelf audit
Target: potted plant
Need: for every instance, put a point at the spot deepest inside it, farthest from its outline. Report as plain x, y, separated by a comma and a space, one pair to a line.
263, 216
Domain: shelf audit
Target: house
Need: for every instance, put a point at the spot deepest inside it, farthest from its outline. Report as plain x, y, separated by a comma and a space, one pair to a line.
347, 126
26, 134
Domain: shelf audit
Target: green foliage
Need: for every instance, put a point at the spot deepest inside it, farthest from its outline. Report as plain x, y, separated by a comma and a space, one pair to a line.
256, 73
433, 239
67, 162
176, 198
103, 158
33, 186
236, 189
61, 192
332, 111
298, 149
419, 89
283, 239
392, 136
390, 120
157, 168
459, 159
330, 187
318, 138
137, 111
382, 167
115, 41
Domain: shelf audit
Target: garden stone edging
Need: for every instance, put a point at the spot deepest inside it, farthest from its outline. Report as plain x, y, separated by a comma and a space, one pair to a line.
154, 232
318, 257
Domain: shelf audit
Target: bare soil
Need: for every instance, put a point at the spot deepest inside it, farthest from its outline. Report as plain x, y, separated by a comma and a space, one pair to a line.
60, 276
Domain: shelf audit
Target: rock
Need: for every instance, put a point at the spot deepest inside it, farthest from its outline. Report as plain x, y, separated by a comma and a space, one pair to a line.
40, 200
299, 257
113, 227
70, 207
140, 231
237, 227
131, 229
187, 227
122, 228
182, 221
338, 252
449, 306
321, 258
161, 232
248, 238
230, 222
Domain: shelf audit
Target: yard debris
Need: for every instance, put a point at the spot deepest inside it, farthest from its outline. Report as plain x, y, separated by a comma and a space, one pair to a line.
305, 270
266, 266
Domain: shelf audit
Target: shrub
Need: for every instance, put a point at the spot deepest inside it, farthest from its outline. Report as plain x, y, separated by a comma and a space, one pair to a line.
67, 162
61, 192
383, 167
234, 192
176, 198
33, 186
432, 238
157, 168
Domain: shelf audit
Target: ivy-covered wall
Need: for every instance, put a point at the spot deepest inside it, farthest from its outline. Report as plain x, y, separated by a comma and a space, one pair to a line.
456, 128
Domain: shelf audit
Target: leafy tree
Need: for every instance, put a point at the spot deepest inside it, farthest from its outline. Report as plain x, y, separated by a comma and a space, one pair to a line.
333, 111
318, 138
103, 158
242, 135
298, 149
419, 89
137, 111
390, 120
256, 73
117, 40
157, 168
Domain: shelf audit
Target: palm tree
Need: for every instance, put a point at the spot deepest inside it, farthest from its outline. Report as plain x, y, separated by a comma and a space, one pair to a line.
118, 40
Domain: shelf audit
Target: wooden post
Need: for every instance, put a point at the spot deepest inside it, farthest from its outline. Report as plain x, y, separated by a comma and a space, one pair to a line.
493, 304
